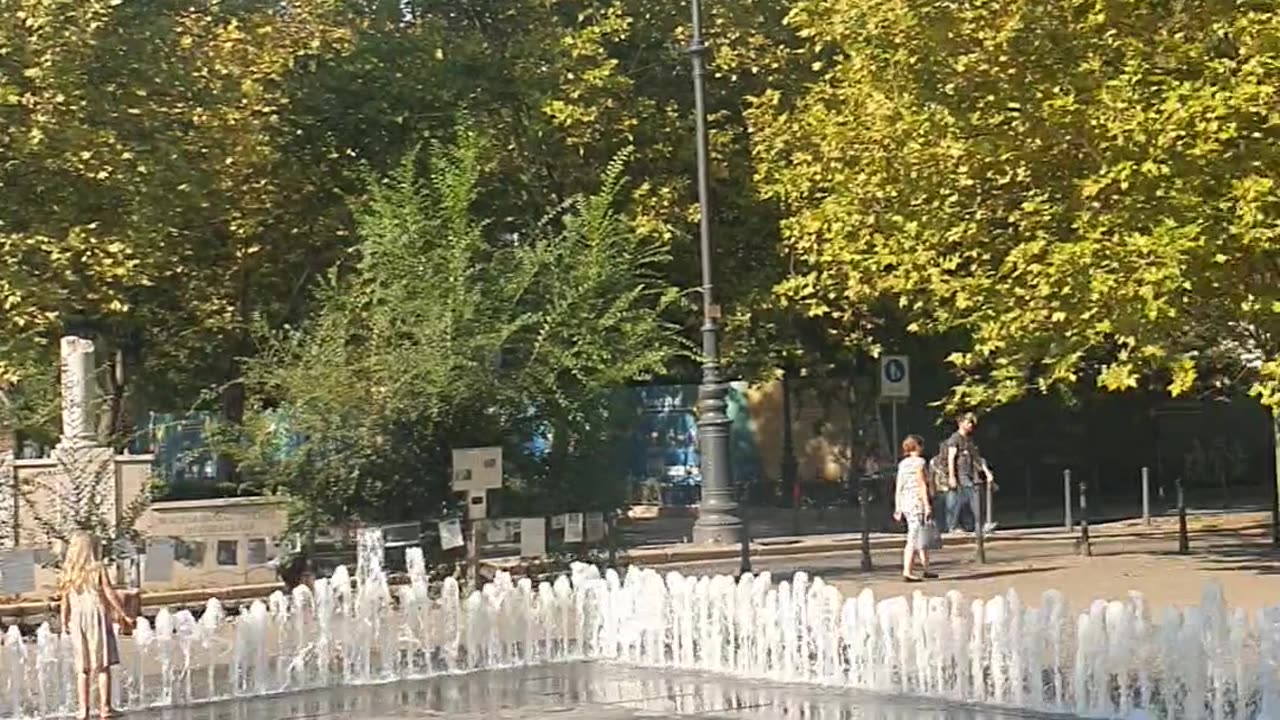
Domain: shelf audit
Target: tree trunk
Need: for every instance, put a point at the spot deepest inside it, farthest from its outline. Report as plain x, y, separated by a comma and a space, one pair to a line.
1275, 486
113, 420
788, 442
233, 400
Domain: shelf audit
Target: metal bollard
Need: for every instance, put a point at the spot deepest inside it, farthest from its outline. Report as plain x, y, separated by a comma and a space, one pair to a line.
1086, 548
1184, 542
979, 536
1146, 495
611, 533
1066, 499
473, 553
863, 493
990, 512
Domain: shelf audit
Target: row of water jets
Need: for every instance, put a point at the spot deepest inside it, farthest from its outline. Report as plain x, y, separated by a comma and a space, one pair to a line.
1113, 660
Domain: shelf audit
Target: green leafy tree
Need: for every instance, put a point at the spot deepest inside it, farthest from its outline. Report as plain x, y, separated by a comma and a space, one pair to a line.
442, 333
147, 198
1083, 191
567, 86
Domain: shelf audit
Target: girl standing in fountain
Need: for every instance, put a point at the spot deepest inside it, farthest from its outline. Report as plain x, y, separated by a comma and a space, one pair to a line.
911, 503
87, 602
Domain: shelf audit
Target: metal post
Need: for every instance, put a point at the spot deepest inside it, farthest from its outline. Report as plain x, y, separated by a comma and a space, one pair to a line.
1275, 486
1146, 495
473, 553
1184, 542
1086, 548
789, 466
611, 528
718, 520
990, 512
790, 483
744, 565
863, 494
1066, 499
893, 423
979, 534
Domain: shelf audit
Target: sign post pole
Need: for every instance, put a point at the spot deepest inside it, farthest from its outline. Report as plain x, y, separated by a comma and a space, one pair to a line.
893, 404
895, 386
476, 471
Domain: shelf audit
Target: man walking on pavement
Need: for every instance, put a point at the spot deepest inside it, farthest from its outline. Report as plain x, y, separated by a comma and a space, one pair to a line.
964, 464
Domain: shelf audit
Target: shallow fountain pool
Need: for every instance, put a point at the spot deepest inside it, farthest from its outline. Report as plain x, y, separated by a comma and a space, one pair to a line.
583, 691
1111, 660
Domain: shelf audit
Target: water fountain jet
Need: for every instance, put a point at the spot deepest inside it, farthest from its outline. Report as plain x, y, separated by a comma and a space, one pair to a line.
1110, 661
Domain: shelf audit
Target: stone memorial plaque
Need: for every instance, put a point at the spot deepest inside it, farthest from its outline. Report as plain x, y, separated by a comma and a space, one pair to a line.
501, 531
157, 563
573, 527
533, 537
595, 527
477, 469
451, 534
17, 572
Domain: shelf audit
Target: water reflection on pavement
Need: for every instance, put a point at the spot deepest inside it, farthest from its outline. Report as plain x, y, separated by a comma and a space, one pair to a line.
580, 690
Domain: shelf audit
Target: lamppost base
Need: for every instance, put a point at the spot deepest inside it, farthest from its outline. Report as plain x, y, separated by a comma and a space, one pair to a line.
713, 530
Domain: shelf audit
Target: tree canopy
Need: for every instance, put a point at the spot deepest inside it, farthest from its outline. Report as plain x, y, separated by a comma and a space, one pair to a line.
174, 174
231, 199
148, 198
1085, 190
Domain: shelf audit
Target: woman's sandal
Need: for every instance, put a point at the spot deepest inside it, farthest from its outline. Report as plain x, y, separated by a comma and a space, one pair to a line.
911, 579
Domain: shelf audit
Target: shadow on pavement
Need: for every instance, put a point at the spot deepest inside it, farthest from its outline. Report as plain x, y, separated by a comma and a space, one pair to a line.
1257, 558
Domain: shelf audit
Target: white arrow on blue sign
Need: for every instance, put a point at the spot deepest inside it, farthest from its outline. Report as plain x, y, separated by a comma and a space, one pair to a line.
895, 377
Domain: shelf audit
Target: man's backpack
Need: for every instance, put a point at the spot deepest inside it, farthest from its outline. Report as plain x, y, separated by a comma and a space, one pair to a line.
938, 470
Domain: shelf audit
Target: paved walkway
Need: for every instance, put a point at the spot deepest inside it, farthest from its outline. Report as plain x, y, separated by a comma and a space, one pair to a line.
1165, 528
1220, 542
1245, 565
581, 692
771, 522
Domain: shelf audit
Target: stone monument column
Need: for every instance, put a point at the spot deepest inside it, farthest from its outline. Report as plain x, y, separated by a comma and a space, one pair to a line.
79, 416
87, 483
8, 499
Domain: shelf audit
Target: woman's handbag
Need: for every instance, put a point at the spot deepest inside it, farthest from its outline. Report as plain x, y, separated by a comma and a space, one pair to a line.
932, 538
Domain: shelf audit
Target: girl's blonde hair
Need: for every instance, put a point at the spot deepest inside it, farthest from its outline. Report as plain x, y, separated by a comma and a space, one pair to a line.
82, 564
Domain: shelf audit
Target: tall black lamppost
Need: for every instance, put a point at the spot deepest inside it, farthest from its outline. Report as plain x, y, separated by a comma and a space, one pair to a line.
718, 520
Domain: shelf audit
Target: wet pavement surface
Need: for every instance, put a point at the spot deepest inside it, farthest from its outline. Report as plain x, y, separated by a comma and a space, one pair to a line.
581, 691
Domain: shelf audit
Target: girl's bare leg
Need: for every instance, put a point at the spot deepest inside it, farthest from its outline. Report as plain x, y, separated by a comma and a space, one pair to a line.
82, 693
104, 693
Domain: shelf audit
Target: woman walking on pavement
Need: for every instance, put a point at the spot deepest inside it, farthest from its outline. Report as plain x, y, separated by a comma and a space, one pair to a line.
911, 503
